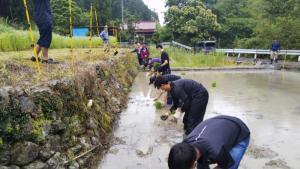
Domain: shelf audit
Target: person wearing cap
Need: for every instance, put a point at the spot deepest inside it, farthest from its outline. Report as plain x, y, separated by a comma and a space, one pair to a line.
222, 140
193, 97
167, 98
105, 38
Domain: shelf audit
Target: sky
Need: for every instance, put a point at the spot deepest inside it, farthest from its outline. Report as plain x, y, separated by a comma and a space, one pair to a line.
158, 6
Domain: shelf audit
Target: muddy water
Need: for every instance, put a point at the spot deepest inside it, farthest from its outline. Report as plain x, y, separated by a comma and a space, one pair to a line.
268, 101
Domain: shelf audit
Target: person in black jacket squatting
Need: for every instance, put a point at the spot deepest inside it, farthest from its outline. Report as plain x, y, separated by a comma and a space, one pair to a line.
222, 140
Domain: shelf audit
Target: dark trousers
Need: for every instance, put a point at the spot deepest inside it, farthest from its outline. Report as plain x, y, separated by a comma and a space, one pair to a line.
165, 72
202, 166
45, 30
195, 114
140, 61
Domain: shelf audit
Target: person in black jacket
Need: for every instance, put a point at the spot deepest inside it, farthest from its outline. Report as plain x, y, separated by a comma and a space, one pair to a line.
193, 97
222, 140
165, 61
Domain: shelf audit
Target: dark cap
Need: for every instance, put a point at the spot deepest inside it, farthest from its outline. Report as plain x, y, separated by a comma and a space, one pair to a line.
152, 80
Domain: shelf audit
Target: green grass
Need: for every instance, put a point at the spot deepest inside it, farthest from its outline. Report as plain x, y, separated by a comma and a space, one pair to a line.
183, 58
17, 40
16, 67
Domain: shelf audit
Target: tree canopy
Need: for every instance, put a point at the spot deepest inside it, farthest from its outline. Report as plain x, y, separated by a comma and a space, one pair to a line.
108, 11
236, 23
191, 22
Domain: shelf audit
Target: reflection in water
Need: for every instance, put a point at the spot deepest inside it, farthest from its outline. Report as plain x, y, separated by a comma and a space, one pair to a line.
268, 101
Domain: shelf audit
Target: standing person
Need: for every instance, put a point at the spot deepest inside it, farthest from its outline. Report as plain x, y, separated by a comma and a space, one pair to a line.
145, 55
194, 98
165, 61
167, 97
105, 38
43, 20
137, 50
222, 140
275, 48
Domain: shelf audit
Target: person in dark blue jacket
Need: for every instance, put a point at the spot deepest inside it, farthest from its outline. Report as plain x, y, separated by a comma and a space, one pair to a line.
275, 48
43, 19
222, 140
193, 97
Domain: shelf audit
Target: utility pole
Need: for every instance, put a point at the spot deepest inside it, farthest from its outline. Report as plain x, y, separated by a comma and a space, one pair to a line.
122, 3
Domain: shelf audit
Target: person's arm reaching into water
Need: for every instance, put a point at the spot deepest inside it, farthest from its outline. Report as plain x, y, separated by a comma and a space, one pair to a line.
160, 94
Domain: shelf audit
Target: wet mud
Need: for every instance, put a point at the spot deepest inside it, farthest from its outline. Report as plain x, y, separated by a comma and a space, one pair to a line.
267, 101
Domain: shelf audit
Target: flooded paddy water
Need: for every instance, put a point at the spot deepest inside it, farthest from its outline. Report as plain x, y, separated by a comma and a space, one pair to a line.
267, 101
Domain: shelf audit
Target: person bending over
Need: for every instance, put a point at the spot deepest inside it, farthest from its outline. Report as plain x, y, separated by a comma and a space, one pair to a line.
222, 140
167, 97
193, 97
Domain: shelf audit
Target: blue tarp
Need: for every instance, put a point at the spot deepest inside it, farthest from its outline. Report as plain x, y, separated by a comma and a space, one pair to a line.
80, 32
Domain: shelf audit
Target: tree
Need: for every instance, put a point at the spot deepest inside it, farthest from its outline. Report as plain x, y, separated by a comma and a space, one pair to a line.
192, 22
134, 7
14, 10
178, 3
235, 20
275, 20
60, 10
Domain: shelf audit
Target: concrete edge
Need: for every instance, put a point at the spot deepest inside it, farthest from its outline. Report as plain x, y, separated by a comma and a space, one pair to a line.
220, 68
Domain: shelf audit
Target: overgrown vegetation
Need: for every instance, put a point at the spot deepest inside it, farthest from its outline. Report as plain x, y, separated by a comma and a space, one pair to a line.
60, 99
183, 58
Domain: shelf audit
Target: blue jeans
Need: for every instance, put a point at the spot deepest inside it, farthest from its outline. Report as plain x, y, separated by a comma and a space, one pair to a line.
238, 151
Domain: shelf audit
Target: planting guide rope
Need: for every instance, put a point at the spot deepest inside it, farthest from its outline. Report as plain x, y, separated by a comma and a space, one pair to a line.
97, 24
32, 41
71, 34
91, 26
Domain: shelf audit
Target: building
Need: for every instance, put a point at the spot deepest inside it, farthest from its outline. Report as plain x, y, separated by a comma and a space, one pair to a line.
145, 29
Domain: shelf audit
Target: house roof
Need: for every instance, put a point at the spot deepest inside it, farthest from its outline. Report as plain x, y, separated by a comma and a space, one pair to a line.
143, 26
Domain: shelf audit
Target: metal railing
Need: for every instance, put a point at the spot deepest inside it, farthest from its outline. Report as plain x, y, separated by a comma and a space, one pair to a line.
256, 52
259, 51
181, 45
